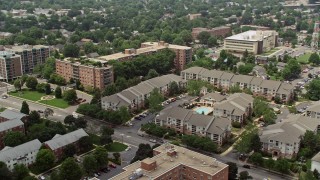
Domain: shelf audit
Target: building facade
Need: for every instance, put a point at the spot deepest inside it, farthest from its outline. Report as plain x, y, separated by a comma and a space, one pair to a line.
30, 56
8, 126
256, 42
97, 76
259, 87
10, 66
22, 154
175, 162
222, 31
134, 97
59, 142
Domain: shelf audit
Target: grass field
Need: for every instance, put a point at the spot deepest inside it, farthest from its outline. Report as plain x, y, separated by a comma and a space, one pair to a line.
26, 94
116, 147
304, 59
271, 51
60, 103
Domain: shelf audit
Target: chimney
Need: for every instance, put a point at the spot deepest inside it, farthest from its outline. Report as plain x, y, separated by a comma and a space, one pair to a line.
148, 164
161, 43
127, 51
171, 153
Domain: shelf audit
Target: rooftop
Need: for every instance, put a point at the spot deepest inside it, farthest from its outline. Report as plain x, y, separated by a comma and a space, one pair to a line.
62, 140
7, 54
4, 126
12, 115
251, 35
165, 163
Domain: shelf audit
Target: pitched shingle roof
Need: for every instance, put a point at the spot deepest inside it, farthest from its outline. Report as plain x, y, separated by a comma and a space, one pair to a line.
10, 124
11, 115
11, 153
66, 139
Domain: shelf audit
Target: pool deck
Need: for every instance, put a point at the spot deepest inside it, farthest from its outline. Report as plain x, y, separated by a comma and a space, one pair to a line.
207, 110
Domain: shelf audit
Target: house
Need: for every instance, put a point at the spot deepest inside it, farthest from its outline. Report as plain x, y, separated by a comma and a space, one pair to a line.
8, 126
237, 107
187, 121
313, 111
22, 154
259, 86
59, 142
283, 139
134, 97
315, 162
211, 98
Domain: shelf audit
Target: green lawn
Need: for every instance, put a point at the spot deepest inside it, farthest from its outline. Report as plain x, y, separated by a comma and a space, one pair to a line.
116, 147
2, 109
27, 94
304, 59
60, 103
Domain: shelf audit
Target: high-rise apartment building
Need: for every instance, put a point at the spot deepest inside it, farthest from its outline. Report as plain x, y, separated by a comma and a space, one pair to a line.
175, 162
90, 72
183, 53
30, 55
10, 66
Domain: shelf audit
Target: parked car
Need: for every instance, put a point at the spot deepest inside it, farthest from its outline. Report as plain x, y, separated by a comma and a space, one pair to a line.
95, 175
246, 166
105, 170
153, 140
137, 118
42, 178
112, 165
40, 111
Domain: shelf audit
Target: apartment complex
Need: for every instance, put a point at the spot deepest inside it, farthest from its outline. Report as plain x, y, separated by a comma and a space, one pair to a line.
10, 66
22, 154
134, 97
89, 72
283, 139
237, 107
183, 53
187, 121
256, 42
11, 121
175, 162
30, 55
222, 31
59, 142
313, 111
259, 87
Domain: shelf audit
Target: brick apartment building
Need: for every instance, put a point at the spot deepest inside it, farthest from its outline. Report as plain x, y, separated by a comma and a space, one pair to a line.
59, 142
222, 31
11, 121
175, 162
10, 66
91, 73
183, 53
30, 55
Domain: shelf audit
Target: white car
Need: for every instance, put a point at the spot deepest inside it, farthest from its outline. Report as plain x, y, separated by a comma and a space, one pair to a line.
153, 140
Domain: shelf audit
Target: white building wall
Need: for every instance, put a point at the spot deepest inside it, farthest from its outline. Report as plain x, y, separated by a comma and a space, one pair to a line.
315, 165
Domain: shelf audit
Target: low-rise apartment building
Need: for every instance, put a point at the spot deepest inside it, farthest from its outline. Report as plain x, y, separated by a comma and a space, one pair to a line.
209, 99
189, 122
134, 97
183, 53
222, 31
89, 72
256, 42
283, 139
8, 115
259, 87
237, 107
313, 110
30, 55
175, 162
10, 125
59, 142
10, 66
22, 154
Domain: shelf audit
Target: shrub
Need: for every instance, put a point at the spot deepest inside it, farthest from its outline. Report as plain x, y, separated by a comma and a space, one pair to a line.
236, 124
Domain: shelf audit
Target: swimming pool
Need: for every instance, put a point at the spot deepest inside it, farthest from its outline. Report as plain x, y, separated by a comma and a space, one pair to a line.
203, 110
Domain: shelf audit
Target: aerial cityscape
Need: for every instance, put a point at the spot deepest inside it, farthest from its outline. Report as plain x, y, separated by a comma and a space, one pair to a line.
159, 89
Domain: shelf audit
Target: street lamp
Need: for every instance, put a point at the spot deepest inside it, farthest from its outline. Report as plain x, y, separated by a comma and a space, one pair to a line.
122, 137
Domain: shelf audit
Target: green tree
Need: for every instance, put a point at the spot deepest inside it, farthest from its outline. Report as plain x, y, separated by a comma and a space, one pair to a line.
4, 172
256, 158
291, 70
45, 159
85, 144
89, 48
282, 165
70, 170
186, 36
144, 151
14, 138
69, 150
244, 175
109, 90
313, 90
58, 92
47, 89
212, 41
152, 74
245, 69
17, 84
256, 143
269, 163
96, 99
101, 156
105, 139
20, 171
173, 88
178, 41
245, 145
31, 82
155, 99
233, 170
25, 108
34, 117
71, 50
116, 156
314, 58
70, 96
70, 120
203, 37
90, 164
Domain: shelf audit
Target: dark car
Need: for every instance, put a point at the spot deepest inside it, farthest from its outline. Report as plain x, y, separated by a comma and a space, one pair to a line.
112, 165
246, 166
40, 111
137, 118
105, 170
